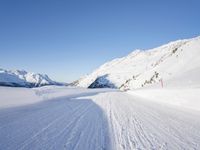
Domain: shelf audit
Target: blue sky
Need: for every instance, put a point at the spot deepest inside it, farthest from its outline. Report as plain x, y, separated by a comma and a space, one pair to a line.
69, 38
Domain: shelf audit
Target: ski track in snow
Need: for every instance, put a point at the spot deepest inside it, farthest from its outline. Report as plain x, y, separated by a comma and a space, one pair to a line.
104, 120
138, 124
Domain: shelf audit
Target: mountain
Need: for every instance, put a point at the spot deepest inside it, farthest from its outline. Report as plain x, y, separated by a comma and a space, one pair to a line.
174, 64
21, 78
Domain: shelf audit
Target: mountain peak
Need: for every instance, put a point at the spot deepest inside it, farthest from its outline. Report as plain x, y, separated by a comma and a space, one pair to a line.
23, 78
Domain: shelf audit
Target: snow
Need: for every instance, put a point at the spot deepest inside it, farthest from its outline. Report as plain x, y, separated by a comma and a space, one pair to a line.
22, 78
54, 117
181, 97
143, 68
137, 123
148, 116
12, 97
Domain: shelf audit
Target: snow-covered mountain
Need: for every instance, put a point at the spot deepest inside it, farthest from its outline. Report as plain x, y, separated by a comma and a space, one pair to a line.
174, 64
22, 78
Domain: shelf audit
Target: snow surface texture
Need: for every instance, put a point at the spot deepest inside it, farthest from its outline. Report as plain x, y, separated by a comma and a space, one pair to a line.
173, 64
21, 78
95, 119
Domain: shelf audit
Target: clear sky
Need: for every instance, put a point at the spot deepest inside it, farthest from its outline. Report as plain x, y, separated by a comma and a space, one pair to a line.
69, 38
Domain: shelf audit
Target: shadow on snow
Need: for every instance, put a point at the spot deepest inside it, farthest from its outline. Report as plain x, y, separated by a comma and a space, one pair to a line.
65, 123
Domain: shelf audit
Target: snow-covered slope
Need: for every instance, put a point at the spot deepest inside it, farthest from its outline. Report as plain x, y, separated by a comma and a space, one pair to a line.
174, 64
23, 79
63, 118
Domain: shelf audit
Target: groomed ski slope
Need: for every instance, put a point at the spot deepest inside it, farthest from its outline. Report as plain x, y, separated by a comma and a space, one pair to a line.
83, 119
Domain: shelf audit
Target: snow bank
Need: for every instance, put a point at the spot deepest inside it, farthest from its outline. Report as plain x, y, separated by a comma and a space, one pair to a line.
182, 97
16, 96
11, 96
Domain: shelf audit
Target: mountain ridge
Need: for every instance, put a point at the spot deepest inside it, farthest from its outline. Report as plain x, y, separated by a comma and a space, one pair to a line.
142, 68
22, 78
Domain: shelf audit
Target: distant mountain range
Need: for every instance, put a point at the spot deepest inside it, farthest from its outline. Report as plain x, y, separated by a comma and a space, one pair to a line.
174, 64
21, 78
